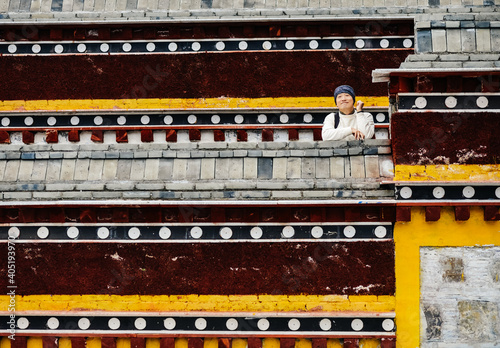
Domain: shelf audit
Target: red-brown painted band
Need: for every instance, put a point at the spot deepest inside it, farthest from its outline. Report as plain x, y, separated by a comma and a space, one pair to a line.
205, 268
150, 214
201, 30
446, 138
201, 75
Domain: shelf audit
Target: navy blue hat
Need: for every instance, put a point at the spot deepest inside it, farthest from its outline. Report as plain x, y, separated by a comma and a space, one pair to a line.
344, 89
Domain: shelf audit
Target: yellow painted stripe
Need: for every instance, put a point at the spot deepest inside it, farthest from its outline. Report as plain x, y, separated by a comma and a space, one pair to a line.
449, 172
152, 343
180, 103
64, 342
211, 342
181, 342
34, 342
217, 303
409, 237
93, 342
239, 343
271, 342
334, 343
5, 342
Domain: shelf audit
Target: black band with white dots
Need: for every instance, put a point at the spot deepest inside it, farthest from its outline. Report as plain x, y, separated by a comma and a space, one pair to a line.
452, 102
192, 46
175, 119
453, 192
248, 325
199, 233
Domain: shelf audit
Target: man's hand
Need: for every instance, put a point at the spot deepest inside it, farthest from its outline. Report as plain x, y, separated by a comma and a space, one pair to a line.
357, 134
359, 106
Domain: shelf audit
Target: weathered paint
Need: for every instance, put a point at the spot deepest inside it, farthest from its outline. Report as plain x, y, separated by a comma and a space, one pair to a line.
434, 138
179, 103
447, 172
201, 75
210, 303
408, 238
292, 268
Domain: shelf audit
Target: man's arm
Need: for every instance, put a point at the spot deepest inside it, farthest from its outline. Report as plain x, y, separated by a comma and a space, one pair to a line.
329, 132
366, 125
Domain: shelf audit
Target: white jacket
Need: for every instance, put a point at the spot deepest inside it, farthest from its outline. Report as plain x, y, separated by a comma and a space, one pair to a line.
363, 121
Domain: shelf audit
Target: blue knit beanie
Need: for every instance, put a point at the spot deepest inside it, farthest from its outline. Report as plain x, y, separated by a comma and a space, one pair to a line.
344, 89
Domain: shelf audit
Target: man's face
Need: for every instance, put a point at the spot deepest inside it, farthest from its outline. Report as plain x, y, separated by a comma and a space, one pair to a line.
345, 103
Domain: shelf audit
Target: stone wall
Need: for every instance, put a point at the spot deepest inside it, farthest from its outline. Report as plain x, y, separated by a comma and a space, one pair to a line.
460, 296
273, 170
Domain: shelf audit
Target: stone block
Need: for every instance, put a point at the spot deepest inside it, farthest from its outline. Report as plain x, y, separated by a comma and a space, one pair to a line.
447, 65
25, 170
95, 170
454, 57
165, 169
280, 168
193, 170
250, 166
483, 40
60, 187
235, 168
82, 169
222, 168
207, 170
149, 186
485, 57
265, 168
285, 195
322, 168
468, 39
255, 194
308, 168
110, 169
454, 40
476, 64
300, 185
337, 167
89, 187
438, 40
151, 169
120, 186
18, 196
294, 165
179, 170
53, 170
424, 41
68, 169
372, 169
39, 171
179, 186
357, 166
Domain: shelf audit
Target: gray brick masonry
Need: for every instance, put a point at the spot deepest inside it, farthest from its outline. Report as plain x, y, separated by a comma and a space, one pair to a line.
271, 174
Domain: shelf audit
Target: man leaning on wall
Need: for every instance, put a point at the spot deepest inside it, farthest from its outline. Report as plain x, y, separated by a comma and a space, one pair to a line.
349, 123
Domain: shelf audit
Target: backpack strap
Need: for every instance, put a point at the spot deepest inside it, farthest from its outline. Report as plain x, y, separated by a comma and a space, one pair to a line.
337, 119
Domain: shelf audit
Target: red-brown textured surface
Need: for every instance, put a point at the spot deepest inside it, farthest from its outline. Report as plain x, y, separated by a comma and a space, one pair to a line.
200, 30
59, 214
446, 138
202, 75
204, 268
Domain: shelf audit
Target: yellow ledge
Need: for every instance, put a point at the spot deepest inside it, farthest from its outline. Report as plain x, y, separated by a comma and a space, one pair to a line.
409, 237
211, 303
449, 172
179, 103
